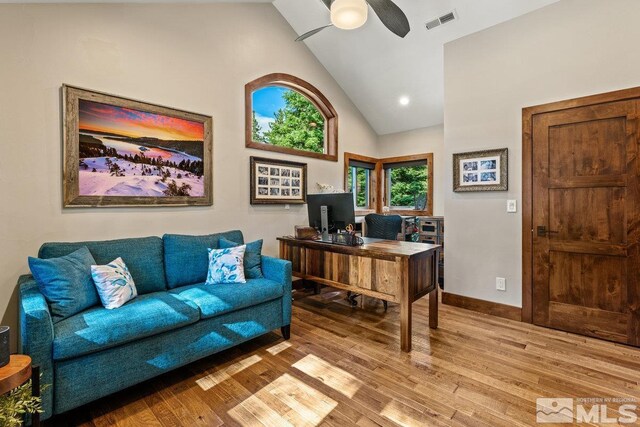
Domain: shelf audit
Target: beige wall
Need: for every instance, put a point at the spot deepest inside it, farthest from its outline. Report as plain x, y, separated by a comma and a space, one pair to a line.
193, 57
565, 50
425, 140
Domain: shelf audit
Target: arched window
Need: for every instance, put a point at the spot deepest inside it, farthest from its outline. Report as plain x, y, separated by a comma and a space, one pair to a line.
285, 114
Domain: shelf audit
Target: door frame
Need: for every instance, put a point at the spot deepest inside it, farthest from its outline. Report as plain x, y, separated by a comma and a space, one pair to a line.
527, 179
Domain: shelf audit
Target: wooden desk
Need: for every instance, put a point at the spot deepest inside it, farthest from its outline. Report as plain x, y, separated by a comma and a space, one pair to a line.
391, 270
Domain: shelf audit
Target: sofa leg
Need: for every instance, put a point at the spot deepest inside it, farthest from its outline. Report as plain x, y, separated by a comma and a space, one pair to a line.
286, 332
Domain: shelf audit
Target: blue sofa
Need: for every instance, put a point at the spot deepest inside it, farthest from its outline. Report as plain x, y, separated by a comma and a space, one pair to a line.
175, 320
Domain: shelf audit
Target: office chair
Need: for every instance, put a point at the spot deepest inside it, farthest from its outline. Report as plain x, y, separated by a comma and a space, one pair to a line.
380, 227
383, 226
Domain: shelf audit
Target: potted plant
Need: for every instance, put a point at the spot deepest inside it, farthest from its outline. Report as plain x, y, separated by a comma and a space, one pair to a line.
17, 403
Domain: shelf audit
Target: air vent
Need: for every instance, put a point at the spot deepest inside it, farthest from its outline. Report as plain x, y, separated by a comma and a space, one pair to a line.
432, 24
444, 19
448, 17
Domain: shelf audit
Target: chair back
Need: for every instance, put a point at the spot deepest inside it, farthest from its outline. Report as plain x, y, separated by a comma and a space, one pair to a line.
383, 226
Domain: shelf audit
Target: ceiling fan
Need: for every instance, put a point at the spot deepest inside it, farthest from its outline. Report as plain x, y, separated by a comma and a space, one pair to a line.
351, 14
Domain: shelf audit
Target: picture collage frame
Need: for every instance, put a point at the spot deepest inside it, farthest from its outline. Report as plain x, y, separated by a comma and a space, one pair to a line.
277, 181
481, 171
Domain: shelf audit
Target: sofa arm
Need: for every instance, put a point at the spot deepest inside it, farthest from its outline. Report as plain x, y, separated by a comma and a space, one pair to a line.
36, 336
279, 271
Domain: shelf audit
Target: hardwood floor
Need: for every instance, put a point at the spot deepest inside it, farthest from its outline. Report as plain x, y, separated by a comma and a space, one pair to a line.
343, 366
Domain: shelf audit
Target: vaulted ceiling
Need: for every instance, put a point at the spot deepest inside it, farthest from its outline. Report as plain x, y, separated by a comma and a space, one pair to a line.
376, 68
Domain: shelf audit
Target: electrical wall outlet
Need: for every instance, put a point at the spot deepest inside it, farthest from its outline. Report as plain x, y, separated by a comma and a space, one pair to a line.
512, 206
501, 283
287, 206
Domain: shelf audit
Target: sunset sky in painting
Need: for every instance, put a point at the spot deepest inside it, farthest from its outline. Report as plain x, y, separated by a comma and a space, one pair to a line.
134, 123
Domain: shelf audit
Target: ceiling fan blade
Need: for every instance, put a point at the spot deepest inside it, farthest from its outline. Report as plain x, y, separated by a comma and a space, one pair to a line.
327, 3
391, 16
312, 32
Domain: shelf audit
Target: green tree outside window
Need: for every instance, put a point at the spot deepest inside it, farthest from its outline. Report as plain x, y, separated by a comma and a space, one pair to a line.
407, 183
297, 123
362, 186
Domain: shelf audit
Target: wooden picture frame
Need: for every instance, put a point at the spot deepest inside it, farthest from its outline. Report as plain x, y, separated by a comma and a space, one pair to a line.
485, 170
276, 182
310, 92
122, 152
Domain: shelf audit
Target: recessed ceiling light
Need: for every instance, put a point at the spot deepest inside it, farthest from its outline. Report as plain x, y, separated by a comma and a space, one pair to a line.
404, 100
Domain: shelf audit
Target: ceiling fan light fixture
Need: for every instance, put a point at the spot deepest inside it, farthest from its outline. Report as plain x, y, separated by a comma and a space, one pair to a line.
349, 14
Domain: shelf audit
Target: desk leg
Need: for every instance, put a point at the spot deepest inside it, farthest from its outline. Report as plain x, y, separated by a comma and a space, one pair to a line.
405, 309
433, 308
405, 326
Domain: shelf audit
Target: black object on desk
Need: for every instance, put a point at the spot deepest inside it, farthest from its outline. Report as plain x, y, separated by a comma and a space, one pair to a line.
4, 345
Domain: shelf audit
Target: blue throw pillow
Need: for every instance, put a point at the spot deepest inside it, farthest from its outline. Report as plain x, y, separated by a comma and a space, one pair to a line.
66, 282
252, 257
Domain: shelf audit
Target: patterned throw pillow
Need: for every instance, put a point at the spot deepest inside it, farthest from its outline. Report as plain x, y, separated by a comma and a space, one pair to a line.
226, 265
114, 283
252, 257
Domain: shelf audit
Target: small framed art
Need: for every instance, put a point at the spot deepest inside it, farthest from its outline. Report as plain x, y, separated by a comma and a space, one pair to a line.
277, 182
481, 171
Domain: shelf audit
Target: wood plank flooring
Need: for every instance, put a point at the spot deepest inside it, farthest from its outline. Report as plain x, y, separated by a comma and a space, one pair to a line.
343, 367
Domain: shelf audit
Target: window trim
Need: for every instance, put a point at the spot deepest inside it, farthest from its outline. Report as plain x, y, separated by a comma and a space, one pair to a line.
379, 184
314, 95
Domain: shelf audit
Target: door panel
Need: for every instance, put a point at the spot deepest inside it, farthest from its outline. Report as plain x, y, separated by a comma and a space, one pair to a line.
593, 148
585, 220
588, 321
592, 281
604, 223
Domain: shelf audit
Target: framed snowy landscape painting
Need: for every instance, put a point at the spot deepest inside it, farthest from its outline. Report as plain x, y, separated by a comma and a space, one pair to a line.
121, 152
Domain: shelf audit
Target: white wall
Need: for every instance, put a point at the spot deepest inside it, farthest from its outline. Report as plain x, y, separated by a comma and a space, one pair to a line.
418, 141
569, 49
192, 57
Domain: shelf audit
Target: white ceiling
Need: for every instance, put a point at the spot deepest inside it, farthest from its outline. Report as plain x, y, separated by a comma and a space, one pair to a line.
135, 1
375, 67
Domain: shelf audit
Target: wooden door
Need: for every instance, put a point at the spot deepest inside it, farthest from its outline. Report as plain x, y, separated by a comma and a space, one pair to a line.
585, 220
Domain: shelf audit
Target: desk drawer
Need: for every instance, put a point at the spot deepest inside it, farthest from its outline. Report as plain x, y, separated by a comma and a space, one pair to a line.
429, 227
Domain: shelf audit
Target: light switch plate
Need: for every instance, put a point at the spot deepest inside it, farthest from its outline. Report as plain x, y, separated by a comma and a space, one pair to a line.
501, 283
512, 206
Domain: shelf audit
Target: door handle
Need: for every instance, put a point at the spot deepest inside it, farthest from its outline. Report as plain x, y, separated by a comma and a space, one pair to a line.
542, 231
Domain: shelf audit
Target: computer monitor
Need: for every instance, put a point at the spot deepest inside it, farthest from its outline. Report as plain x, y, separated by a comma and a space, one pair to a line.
340, 212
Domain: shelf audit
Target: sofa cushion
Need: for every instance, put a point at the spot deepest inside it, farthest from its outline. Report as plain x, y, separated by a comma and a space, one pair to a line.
66, 282
143, 256
214, 300
99, 328
186, 257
